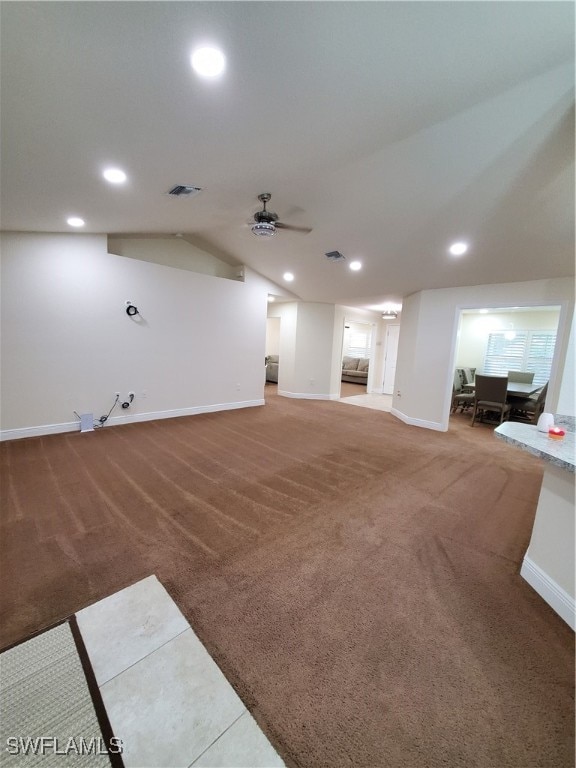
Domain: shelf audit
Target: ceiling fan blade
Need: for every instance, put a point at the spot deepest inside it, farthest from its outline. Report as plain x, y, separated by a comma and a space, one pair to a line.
305, 230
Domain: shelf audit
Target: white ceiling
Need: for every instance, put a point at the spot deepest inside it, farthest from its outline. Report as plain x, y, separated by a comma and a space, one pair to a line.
390, 128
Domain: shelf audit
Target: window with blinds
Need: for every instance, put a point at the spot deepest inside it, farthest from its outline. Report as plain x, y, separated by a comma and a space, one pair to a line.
520, 351
359, 343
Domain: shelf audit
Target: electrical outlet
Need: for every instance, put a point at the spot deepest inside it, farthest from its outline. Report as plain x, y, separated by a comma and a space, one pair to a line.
238, 387
312, 382
398, 393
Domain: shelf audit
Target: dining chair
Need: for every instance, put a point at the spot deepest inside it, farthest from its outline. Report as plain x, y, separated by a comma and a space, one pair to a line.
525, 377
462, 400
530, 408
490, 396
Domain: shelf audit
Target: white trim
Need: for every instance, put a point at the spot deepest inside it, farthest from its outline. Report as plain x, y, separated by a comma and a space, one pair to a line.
74, 426
375, 391
418, 422
556, 597
44, 429
307, 395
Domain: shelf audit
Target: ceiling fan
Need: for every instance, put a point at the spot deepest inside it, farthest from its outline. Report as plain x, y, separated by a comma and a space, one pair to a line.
266, 222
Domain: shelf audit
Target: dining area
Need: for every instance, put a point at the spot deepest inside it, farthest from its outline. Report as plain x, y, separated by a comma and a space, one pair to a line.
493, 399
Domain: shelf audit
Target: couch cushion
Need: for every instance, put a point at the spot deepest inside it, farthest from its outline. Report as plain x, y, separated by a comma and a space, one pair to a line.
354, 374
363, 364
350, 363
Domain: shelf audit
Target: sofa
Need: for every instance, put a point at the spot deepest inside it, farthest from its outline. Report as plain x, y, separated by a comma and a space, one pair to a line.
272, 368
355, 369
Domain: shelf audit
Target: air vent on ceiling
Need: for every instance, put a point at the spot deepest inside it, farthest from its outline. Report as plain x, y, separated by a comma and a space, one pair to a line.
335, 256
184, 190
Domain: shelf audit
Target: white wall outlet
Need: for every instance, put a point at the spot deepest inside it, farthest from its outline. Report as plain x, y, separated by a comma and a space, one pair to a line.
398, 393
238, 387
312, 382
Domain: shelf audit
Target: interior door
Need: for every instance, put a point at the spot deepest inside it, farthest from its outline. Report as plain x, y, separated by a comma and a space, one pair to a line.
392, 334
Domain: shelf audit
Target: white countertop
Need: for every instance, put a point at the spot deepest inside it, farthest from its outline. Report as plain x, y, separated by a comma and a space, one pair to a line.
561, 453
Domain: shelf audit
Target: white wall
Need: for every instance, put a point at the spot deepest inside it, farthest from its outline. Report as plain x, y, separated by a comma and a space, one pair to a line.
273, 336
310, 349
171, 252
313, 352
288, 313
68, 345
475, 329
549, 564
566, 404
426, 354
346, 315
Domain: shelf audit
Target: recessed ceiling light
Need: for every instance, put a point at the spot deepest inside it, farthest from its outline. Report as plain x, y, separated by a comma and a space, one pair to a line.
271, 299
75, 221
288, 276
114, 176
355, 265
458, 249
208, 62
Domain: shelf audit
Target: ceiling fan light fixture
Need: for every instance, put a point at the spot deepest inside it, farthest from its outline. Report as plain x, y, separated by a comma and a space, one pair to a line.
389, 314
263, 229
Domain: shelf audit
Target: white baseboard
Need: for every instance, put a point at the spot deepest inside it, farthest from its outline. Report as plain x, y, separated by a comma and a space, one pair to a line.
307, 395
418, 422
556, 597
74, 426
43, 429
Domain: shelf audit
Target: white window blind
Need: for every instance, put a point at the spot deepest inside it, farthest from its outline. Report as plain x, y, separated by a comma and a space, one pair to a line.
358, 344
520, 351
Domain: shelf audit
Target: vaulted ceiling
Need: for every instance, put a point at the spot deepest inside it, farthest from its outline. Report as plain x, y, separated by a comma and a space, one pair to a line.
391, 129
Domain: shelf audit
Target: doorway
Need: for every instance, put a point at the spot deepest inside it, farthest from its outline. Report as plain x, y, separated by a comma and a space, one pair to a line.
498, 340
272, 352
391, 355
356, 358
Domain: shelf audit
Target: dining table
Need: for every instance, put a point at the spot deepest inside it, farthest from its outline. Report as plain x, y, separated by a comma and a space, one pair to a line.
513, 388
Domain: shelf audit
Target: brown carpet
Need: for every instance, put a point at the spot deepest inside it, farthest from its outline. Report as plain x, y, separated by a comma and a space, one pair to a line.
356, 579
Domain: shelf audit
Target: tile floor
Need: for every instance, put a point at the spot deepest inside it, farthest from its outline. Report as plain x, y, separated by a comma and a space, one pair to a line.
165, 697
377, 402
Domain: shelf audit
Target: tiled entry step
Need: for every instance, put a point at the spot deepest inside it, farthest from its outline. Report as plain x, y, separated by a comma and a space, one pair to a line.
165, 697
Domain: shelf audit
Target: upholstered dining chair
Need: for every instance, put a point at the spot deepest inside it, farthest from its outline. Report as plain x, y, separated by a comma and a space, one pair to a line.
529, 408
462, 400
490, 396
524, 377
